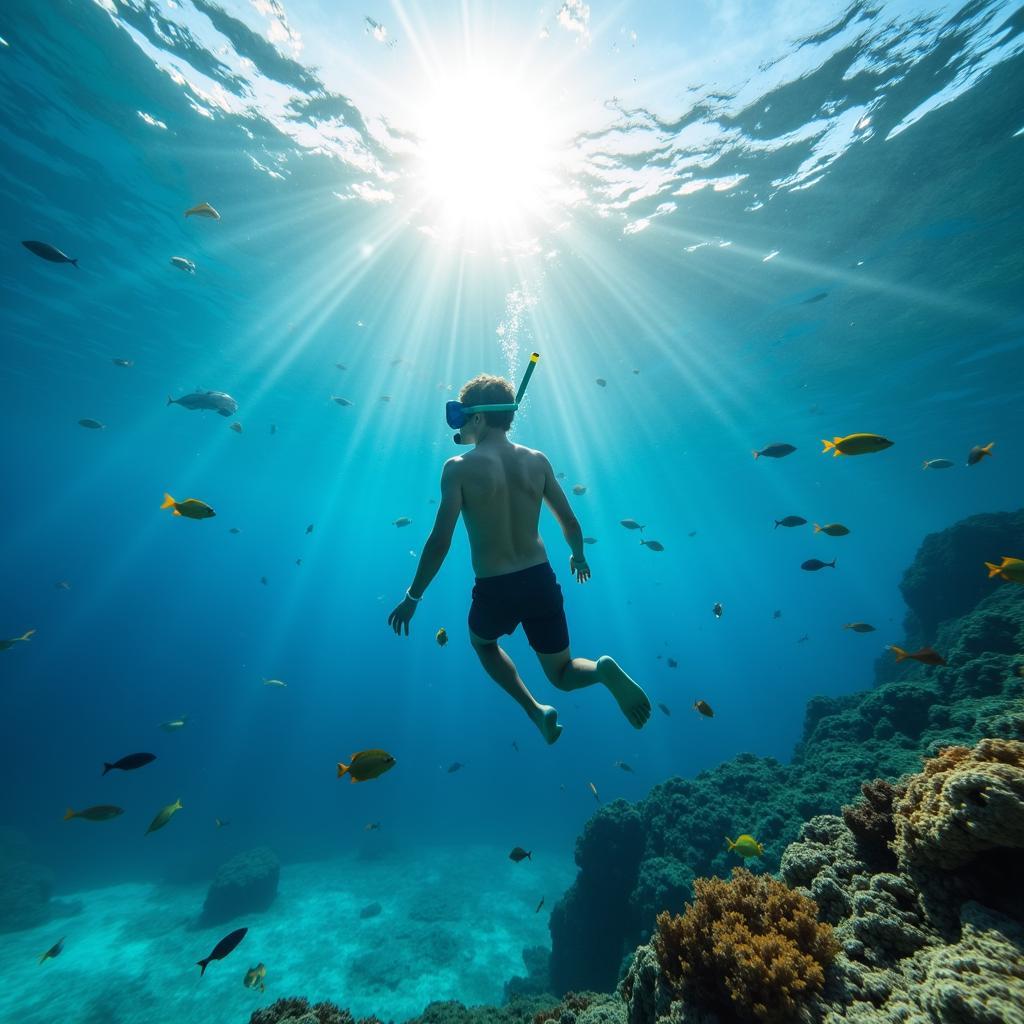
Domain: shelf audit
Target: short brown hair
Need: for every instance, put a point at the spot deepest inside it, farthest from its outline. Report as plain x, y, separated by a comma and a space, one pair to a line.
486, 389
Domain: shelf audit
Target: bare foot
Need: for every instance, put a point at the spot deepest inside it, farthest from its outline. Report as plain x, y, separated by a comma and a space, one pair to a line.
633, 701
546, 719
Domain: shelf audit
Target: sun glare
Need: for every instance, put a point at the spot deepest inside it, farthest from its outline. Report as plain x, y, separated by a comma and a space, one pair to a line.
487, 159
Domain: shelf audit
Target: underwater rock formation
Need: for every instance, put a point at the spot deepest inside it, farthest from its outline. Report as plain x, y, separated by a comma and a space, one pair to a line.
26, 887
246, 884
300, 1011
635, 861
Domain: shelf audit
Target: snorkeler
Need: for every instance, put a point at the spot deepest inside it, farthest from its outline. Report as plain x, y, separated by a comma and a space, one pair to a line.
498, 488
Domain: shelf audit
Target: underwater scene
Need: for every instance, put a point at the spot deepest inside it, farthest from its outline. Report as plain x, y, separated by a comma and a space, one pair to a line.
512, 512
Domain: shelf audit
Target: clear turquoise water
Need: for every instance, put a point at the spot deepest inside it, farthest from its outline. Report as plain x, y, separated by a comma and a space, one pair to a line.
875, 151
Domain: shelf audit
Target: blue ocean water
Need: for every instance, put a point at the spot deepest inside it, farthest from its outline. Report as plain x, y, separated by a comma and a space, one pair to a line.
752, 225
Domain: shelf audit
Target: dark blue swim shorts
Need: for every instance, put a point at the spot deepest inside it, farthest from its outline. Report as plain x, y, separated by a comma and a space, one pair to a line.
530, 596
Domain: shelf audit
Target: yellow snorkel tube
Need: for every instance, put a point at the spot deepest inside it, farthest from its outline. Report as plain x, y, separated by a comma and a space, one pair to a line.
456, 413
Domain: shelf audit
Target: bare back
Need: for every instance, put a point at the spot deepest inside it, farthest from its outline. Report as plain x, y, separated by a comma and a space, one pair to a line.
502, 489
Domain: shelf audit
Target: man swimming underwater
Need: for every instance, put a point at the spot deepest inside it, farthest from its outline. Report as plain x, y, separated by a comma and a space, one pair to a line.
498, 488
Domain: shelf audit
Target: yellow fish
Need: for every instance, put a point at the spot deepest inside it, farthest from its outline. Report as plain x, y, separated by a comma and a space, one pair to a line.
254, 977
746, 846
164, 816
1012, 569
8, 644
190, 508
856, 444
366, 764
441, 636
55, 950
202, 210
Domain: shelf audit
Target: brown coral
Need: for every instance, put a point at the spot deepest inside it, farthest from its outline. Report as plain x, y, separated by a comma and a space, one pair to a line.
965, 802
871, 820
750, 947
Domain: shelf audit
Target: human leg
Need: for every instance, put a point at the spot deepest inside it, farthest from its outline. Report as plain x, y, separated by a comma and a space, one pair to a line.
569, 673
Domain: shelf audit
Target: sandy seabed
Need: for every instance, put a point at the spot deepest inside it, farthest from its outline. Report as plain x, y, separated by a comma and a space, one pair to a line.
453, 925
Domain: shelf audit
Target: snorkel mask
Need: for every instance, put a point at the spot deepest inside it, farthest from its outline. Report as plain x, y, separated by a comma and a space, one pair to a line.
457, 414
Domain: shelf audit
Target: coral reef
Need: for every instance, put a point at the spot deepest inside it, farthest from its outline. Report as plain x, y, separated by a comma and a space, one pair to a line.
751, 947
537, 980
657, 846
246, 884
871, 821
300, 1011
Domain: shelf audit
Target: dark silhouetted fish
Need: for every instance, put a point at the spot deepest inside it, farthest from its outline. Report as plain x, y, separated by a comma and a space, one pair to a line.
790, 521
129, 762
775, 451
221, 950
217, 401
518, 854
814, 564
814, 298
48, 252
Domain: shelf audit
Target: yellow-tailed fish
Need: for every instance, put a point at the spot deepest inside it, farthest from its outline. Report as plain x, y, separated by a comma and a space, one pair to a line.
856, 444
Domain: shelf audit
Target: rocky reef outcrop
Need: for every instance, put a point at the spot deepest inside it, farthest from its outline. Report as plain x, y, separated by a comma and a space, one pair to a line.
246, 884
635, 860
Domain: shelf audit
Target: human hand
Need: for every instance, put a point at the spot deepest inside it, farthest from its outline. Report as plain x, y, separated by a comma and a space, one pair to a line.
579, 568
401, 616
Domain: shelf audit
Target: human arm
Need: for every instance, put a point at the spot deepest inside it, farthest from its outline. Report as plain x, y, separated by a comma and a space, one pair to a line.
555, 499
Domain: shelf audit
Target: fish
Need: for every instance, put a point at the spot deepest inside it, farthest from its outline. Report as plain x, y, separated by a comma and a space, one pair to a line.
455, 766
254, 978
183, 263
832, 529
174, 724
123, 362
937, 464
665, 709
717, 610
273, 428
385, 398
202, 210
441, 636
636, 371
92, 424
48, 252
630, 524
978, 452
926, 655
401, 521
129, 762
309, 529
814, 564
704, 708
55, 950
559, 476
1011, 569
776, 450
601, 382
653, 545
672, 663
814, 298
236, 427
221, 823
539, 905
790, 521
370, 910
6, 645
625, 767
62, 585
190, 508
692, 533
593, 789
341, 366
856, 444
101, 812
215, 401
163, 816
221, 950
343, 402
803, 638
264, 581
298, 561
860, 627
518, 854
515, 746
234, 529
371, 826
366, 764
746, 846
777, 614
579, 489
589, 540
275, 682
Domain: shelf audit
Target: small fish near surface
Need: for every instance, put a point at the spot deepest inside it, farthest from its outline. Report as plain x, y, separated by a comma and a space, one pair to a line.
926, 655
183, 263
1011, 569
190, 508
163, 816
123, 362
803, 639
279, 683
309, 529
937, 464
371, 826
234, 529
539, 905
54, 951
814, 564
625, 767
746, 846
652, 545
579, 490
366, 764
817, 297
6, 645
91, 424
221, 822
370, 910
343, 402
630, 524
236, 427
129, 762
777, 614
441, 636
401, 521
672, 663
454, 767
601, 382
704, 708
856, 444
589, 540
777, 450
101, 812
790, 521
47, 252
213, 401
593, 789
222, 949
518, 854
202, 210
978, 452
174, 724
717, 609
832, 529
255, 978
859, 627
665, 709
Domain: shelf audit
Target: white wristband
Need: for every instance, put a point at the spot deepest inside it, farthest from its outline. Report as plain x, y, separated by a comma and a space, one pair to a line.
411, 598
